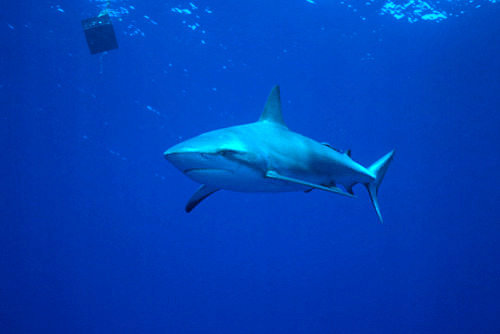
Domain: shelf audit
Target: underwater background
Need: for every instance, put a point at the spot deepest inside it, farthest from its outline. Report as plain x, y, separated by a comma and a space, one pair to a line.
93, 233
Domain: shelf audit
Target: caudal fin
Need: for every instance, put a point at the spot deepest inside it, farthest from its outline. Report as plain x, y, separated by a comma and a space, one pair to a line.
378, 169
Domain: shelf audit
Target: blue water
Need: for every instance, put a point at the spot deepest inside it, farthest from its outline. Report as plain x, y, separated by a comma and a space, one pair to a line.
93, 233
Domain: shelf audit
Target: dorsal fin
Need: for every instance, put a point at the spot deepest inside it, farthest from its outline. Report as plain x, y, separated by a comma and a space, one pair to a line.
348, 153
272, 110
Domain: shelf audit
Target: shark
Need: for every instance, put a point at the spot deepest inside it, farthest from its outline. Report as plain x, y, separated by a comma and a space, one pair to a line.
266, 156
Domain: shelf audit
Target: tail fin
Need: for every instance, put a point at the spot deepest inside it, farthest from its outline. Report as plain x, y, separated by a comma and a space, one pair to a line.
378, 169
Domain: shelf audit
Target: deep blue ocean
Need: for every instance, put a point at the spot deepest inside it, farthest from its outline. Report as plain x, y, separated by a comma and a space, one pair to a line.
93, 233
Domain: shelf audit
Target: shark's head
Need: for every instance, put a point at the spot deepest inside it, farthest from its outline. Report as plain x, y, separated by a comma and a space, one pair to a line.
214, 157
229, 158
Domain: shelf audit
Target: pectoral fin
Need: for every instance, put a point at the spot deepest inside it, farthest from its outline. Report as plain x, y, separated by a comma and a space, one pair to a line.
203, 192
274, 175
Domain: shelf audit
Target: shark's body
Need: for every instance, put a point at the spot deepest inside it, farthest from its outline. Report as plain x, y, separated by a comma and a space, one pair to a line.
266, 156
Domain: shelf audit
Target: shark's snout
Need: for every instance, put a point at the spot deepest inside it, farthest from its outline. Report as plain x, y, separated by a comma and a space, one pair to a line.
169, 155
182, 158
187, 158
182, 152
176, 149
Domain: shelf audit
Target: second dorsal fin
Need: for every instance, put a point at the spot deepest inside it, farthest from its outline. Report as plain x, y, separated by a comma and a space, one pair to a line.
272, 110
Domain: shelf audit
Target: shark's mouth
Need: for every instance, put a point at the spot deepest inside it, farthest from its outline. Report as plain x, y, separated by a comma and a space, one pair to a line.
206, 170
210, 175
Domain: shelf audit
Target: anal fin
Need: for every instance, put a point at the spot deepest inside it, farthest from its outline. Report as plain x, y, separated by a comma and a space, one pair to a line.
349, 188
203, 192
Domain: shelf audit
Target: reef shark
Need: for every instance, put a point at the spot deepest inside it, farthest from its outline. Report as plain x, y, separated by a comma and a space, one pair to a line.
265, 156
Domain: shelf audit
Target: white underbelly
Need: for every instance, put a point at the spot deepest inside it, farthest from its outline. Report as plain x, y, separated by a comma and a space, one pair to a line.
242, 180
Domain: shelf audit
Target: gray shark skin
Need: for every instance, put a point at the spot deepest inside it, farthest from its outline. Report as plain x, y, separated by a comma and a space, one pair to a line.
265, 156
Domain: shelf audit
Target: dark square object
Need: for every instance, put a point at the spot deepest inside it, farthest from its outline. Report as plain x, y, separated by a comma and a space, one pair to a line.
100, 34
